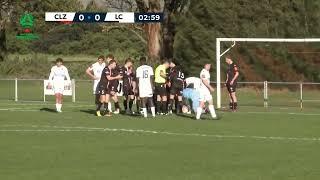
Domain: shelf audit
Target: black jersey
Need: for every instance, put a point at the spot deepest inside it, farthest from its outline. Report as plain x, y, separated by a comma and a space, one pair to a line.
104, 80
128, 76
115, 72
232, 69
176, 77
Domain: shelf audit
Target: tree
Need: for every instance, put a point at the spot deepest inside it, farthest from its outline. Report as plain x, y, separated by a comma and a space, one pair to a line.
6, 7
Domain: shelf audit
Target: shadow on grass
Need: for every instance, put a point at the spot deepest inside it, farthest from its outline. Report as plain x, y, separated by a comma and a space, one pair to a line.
48, 110
89, 111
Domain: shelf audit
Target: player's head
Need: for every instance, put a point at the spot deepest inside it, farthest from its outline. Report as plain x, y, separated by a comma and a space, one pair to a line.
228, 60
59, 61
128, 62
184, 109
101, 59
110, 57
172, 64
166, 63
143, 60
207, 66
112, 64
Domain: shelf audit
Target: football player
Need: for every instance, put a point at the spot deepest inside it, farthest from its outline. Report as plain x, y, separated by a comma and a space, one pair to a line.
231, 82
176, 83
129, 85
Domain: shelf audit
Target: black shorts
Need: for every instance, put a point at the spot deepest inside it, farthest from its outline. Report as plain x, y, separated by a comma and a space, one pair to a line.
160, 89
102, 89
231, 88
127, 90
176, 90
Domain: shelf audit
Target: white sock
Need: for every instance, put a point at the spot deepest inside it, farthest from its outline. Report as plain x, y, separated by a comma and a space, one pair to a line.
109, 106
57, 106
212, 111
153, 111
199, 111
145, 112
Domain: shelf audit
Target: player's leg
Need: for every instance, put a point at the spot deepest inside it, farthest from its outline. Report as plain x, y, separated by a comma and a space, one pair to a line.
211, 107
171, 101
235, 101
131, 100
179, 104
106, 106
199, 109
58, 90
158, 100
230, 96
143, 106
101, 103
164, 100
125, 102
116, 103
151, 105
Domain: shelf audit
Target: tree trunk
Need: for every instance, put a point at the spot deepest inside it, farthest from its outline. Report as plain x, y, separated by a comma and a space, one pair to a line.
3, 49
153, 32
168, 33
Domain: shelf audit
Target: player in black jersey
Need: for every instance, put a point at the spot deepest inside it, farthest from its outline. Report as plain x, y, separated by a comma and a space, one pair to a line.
106, 77
113, 87
129, 85
231, 82
176, 81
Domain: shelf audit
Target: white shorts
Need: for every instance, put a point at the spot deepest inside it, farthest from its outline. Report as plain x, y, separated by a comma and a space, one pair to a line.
95, 86
58, 87
205, 94
145, 92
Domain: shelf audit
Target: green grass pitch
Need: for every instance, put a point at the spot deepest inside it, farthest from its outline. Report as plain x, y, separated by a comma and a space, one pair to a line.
254, 143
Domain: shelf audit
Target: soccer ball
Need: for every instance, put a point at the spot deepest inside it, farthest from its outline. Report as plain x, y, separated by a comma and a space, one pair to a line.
185, 109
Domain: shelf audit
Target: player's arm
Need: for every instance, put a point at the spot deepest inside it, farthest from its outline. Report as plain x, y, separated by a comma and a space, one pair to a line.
51, 77
163, 74
67, 74
207, 83
152, 81
90, 74
235, 75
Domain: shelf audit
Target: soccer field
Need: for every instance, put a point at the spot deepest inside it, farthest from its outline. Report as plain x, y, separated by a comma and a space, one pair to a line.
254, 143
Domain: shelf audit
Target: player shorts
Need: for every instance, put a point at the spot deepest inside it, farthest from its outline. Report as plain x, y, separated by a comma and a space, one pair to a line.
205, 94
95, 87
176, 90
127, 90
102, 89
231, 88
160, 89
58, 87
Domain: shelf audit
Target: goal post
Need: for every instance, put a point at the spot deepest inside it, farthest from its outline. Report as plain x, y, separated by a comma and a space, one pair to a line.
234, 40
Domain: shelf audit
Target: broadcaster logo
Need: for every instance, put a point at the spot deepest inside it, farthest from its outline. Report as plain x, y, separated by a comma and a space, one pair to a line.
27, 24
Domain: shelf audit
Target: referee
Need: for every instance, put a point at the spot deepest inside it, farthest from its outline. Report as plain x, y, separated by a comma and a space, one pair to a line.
160, 87
231, 82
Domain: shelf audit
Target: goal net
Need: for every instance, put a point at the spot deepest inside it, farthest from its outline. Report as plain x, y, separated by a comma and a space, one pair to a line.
288, 68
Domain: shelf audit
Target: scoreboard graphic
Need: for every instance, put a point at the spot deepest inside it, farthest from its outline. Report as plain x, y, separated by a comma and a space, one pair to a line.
114, 17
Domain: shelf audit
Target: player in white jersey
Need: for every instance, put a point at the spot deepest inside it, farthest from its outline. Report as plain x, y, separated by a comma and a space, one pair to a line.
144, 74
205, 91
57, 78
94, 72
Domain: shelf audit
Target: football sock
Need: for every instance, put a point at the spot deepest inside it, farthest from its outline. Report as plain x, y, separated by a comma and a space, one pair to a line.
153, 111
138, 105
179, 105
130, 104
106, 107
116, 105
125, 104
235, 105
170, 104
109, 107
199, 111
99, 106
57, 106
158, 104
231, 105
212, 111
97, 99
164, 107
144, 112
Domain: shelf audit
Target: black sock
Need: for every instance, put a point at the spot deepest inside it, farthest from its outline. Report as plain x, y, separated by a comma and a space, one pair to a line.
235, 105
105, 106
116, 105
170, 104
98, 106
130, 104
138, 105
158, 104
179, 106
125, 104
97, 99
164, 107
231, 105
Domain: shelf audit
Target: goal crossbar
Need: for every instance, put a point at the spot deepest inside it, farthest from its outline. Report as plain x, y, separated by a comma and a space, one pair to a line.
219, 54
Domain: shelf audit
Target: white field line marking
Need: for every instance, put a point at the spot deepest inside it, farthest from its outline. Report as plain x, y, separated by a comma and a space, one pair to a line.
93, 129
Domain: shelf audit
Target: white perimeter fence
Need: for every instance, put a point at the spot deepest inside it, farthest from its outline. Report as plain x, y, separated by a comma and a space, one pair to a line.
284, 94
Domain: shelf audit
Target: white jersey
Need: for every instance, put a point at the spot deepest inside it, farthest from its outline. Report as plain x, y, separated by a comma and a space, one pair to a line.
144, 74
205, 94
195, 81
205, 74
97, 69
57, 77
59, 74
